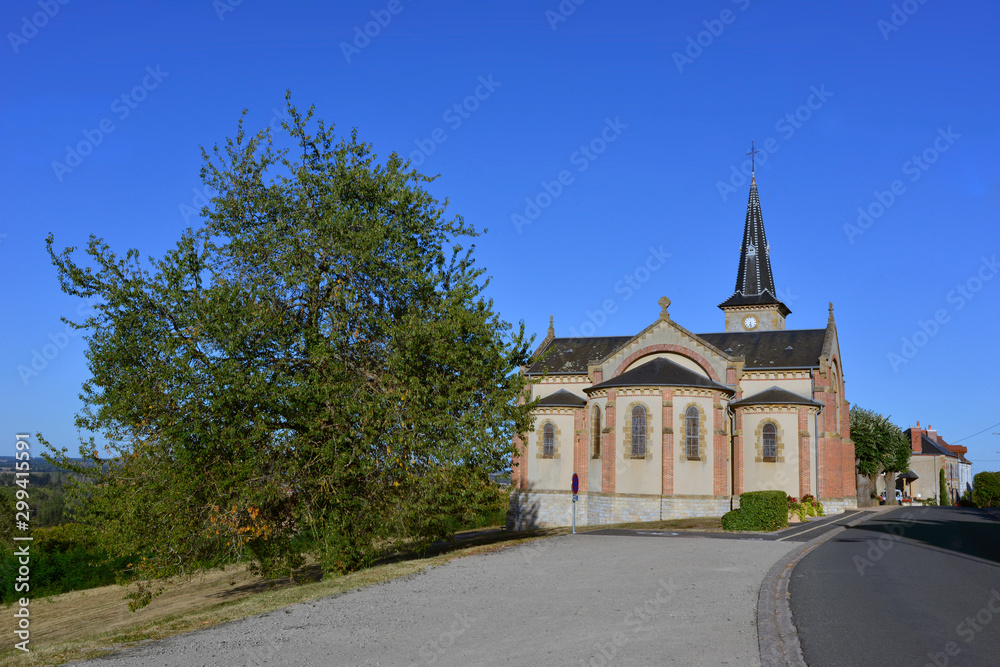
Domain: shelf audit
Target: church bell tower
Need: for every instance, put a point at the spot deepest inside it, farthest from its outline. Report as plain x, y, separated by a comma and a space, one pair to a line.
754, 306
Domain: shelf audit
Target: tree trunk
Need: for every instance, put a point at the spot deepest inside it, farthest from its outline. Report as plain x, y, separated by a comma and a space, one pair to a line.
890, 488
866, 491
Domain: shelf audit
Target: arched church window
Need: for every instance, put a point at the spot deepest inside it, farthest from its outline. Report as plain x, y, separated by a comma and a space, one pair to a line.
638, 432
835, 386
770, 443
595, 437
691, 430
548, 441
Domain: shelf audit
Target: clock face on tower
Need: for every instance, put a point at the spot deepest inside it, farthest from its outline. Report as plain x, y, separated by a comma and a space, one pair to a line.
750, 322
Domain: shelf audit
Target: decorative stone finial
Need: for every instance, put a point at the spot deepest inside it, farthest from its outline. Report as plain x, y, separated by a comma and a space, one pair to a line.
664, 304
552, 331
831, 311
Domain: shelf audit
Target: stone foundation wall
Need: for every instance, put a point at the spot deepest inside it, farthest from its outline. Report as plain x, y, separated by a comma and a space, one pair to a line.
548, 509
838, 505
685, 507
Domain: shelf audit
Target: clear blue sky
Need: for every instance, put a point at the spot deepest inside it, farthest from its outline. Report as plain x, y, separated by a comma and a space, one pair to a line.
841, 97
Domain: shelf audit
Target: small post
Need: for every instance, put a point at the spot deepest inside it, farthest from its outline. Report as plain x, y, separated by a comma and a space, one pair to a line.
576, 487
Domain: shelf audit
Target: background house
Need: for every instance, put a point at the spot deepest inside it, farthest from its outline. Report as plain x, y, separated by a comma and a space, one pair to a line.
929, 455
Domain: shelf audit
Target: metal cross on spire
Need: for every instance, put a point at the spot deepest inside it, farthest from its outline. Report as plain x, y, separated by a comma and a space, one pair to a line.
753, 166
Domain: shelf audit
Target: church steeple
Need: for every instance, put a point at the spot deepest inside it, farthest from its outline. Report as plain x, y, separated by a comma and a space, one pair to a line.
754, 276
754, 306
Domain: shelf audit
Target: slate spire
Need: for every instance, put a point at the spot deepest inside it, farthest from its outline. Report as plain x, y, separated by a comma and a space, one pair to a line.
754, 276
754, 279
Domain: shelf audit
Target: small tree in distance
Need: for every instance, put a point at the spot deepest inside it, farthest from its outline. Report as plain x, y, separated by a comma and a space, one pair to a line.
297, 375
881, 448
986, 489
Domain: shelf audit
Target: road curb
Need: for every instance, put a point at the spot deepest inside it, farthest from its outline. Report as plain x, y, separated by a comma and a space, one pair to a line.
776, 633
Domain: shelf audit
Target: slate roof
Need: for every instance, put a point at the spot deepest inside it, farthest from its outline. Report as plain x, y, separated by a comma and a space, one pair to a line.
762, 349
959, 450
754, 279
562, 399
766, 298
770, 349
775, 396
928, 446
570, 356
660, 373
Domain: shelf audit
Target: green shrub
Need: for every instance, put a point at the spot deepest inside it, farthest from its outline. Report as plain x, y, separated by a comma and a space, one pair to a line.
813, 506
63, 558
966, 500
449, 500
986, 489
733, 521
759, 510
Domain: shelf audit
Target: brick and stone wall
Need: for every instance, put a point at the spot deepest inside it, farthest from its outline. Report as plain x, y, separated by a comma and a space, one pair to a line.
547, 509
550, 509
838, 505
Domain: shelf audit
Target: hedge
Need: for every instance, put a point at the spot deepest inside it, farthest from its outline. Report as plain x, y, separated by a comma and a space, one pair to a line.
733, 521
759, 510
63, 558
986, 489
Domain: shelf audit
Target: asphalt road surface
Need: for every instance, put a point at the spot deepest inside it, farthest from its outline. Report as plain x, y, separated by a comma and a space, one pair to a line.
798, 532
912, 586
571, 600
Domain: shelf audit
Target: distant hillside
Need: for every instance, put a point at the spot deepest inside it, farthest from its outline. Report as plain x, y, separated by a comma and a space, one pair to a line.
38, 464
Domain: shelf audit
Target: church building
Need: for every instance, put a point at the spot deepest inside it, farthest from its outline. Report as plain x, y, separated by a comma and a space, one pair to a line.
670, 424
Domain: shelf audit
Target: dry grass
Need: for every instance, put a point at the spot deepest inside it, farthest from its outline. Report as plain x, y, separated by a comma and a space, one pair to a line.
86, 624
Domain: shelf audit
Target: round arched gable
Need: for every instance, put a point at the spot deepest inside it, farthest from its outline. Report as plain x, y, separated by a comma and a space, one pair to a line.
663, 347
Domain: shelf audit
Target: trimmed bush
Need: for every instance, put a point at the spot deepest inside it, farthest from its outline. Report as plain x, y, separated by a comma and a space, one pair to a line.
765, 510
759, 510
986, 489
733, 521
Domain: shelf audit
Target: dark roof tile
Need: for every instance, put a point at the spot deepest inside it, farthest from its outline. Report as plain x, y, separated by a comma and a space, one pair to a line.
660, 372
764, 299
572, 355
562, 399
928, 446
775, 396
769, 349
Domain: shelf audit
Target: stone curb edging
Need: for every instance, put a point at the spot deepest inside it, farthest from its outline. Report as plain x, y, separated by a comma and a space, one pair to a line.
776, 633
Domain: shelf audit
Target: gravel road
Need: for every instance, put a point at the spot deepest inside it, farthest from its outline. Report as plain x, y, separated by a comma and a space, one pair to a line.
568, 600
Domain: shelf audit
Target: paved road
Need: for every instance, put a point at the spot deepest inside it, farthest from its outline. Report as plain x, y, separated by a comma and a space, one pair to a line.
911, 586
570, 600
799, 532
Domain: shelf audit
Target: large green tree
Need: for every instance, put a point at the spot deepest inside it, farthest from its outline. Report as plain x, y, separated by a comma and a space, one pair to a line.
880, 448
313, 370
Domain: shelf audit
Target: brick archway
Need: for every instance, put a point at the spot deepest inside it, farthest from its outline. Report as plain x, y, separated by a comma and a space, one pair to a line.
664, 347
